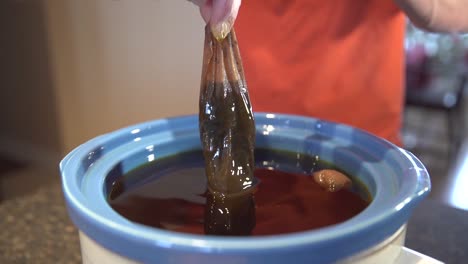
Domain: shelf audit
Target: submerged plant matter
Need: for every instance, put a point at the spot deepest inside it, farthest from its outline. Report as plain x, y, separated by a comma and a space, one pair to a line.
227, 133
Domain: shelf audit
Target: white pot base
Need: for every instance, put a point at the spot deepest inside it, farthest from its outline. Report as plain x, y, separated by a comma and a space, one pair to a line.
390, 251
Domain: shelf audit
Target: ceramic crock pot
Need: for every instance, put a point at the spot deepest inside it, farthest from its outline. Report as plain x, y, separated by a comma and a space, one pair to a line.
395, 178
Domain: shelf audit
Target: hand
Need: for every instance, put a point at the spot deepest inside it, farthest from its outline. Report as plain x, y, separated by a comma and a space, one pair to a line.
219, 14
447, 16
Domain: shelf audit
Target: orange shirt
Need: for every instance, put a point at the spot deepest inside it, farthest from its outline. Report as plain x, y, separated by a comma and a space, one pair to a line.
338, 60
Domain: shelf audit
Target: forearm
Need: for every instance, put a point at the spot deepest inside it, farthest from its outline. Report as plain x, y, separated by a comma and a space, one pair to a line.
437, 15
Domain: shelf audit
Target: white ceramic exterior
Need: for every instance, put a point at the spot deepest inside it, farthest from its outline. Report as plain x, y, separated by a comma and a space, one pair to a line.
389, 251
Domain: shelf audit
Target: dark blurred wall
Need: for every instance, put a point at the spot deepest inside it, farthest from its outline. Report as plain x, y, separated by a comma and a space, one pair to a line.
28, 119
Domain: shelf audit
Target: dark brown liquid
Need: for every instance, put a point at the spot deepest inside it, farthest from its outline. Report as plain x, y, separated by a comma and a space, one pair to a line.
175, 196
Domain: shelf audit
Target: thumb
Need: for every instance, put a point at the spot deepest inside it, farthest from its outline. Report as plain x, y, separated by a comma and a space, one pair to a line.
220, 15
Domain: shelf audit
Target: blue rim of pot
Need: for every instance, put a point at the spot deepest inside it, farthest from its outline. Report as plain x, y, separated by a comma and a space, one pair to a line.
396, 178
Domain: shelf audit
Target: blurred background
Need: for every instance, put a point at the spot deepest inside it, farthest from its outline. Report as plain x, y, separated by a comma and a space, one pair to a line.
436, 110
71, 70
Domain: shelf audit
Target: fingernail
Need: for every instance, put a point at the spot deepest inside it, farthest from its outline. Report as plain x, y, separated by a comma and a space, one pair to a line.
221, 30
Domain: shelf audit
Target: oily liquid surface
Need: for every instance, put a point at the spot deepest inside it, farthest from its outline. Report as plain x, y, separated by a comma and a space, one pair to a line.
175, 196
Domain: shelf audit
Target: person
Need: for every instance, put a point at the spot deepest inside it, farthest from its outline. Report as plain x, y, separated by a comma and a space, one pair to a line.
341, 61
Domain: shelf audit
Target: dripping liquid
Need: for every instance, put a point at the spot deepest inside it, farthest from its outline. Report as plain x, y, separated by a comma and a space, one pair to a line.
171, 194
